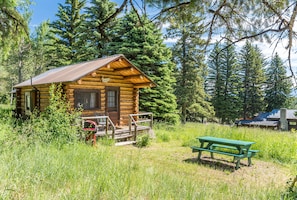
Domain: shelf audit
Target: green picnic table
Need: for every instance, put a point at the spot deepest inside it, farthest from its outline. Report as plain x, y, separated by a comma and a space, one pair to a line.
237, 148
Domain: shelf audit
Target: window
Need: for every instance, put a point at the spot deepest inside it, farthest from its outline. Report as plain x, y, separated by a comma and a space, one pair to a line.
112, 99
32, 101
292, 123
28, 103
87, 99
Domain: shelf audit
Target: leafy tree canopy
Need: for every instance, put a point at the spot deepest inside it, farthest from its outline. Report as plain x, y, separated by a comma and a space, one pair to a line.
12, 24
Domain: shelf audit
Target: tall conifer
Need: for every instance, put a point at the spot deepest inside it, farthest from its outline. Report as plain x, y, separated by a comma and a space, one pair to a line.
278, 86
142, 43
189, 56
252, 68
226, 83
96, 33
66, 34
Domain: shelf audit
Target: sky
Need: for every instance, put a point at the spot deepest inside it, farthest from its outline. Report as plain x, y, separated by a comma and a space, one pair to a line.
47, 9
43, 10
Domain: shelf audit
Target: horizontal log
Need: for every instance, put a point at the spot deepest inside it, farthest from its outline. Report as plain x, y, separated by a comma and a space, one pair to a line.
119, 81
127, 88
87, 87
126, 106
118, 84
128, 69
125, 92
126, 99
144, 85
105, 69
111, 75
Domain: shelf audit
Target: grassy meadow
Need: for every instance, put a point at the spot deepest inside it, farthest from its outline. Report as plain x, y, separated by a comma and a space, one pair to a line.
166, 169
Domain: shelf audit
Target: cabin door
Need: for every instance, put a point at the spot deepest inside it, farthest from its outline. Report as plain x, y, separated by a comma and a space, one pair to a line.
112, 102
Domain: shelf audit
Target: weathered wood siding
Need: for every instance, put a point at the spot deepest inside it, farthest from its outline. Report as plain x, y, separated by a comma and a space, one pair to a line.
128, 94
44, 97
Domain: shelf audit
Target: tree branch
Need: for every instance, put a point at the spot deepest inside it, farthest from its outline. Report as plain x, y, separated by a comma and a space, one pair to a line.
169, 9
118, 10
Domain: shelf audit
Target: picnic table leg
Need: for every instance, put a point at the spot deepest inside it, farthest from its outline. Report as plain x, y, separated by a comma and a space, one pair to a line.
199, 155
237, 164
249, 161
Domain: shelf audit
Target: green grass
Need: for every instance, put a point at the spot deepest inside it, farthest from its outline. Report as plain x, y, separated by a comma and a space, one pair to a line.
166, 169
158, 172
273, 145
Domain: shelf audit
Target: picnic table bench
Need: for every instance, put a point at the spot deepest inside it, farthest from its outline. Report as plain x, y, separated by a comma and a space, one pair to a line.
237, 148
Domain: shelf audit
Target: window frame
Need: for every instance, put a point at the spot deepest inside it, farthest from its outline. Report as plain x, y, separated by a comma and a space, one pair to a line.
78, 92
116, 98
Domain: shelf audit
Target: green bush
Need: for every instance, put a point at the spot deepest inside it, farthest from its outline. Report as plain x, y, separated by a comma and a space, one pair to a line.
171, 118
57, 124
143, 141
291, 192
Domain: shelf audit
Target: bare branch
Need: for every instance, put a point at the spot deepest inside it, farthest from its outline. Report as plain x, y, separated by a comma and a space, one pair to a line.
135, 10
169, 9
216, 12
118, 10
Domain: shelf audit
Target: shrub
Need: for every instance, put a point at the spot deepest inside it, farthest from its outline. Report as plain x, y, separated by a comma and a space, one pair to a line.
57, 124
171, 118
291, 192
143, 141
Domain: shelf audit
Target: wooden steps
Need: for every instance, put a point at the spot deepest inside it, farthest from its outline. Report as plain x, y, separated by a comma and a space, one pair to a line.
124, 135
125, 143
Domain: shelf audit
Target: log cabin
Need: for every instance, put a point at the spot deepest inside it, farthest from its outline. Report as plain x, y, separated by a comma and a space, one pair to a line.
106, 86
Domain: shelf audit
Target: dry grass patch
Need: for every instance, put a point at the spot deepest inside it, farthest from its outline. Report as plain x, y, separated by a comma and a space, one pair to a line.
214, 178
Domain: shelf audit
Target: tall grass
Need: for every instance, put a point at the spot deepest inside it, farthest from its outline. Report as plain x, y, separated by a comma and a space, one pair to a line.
76, 170
273, 145
83, 172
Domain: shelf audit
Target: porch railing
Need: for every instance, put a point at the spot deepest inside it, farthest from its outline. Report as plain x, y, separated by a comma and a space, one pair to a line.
102, 124
135, 120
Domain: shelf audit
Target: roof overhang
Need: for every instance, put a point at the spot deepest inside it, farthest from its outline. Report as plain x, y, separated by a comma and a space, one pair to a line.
117, 63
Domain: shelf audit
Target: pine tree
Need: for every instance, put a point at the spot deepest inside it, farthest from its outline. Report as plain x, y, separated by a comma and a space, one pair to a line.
252, 63
39, 54
13, 24
226, 83
278, 86
141, 42
189, 57
96, 33
66, 34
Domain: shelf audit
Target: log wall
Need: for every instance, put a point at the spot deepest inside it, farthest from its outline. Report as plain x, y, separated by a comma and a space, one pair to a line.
96, 80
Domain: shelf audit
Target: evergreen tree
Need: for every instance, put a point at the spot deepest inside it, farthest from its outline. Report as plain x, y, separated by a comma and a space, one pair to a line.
278, 86
252, 69
13, 24
226, 83
39, 53
187, 53
141, 42
96, 33
67, 43
19, 62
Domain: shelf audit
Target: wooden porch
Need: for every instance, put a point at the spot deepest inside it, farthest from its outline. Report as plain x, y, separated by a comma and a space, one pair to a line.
102, 126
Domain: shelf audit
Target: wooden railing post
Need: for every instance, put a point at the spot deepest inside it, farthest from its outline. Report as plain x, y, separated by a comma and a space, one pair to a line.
135, 132
106, 125
130, 125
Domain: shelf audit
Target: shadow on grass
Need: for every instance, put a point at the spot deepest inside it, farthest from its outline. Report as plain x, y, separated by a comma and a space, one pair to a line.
216, 163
